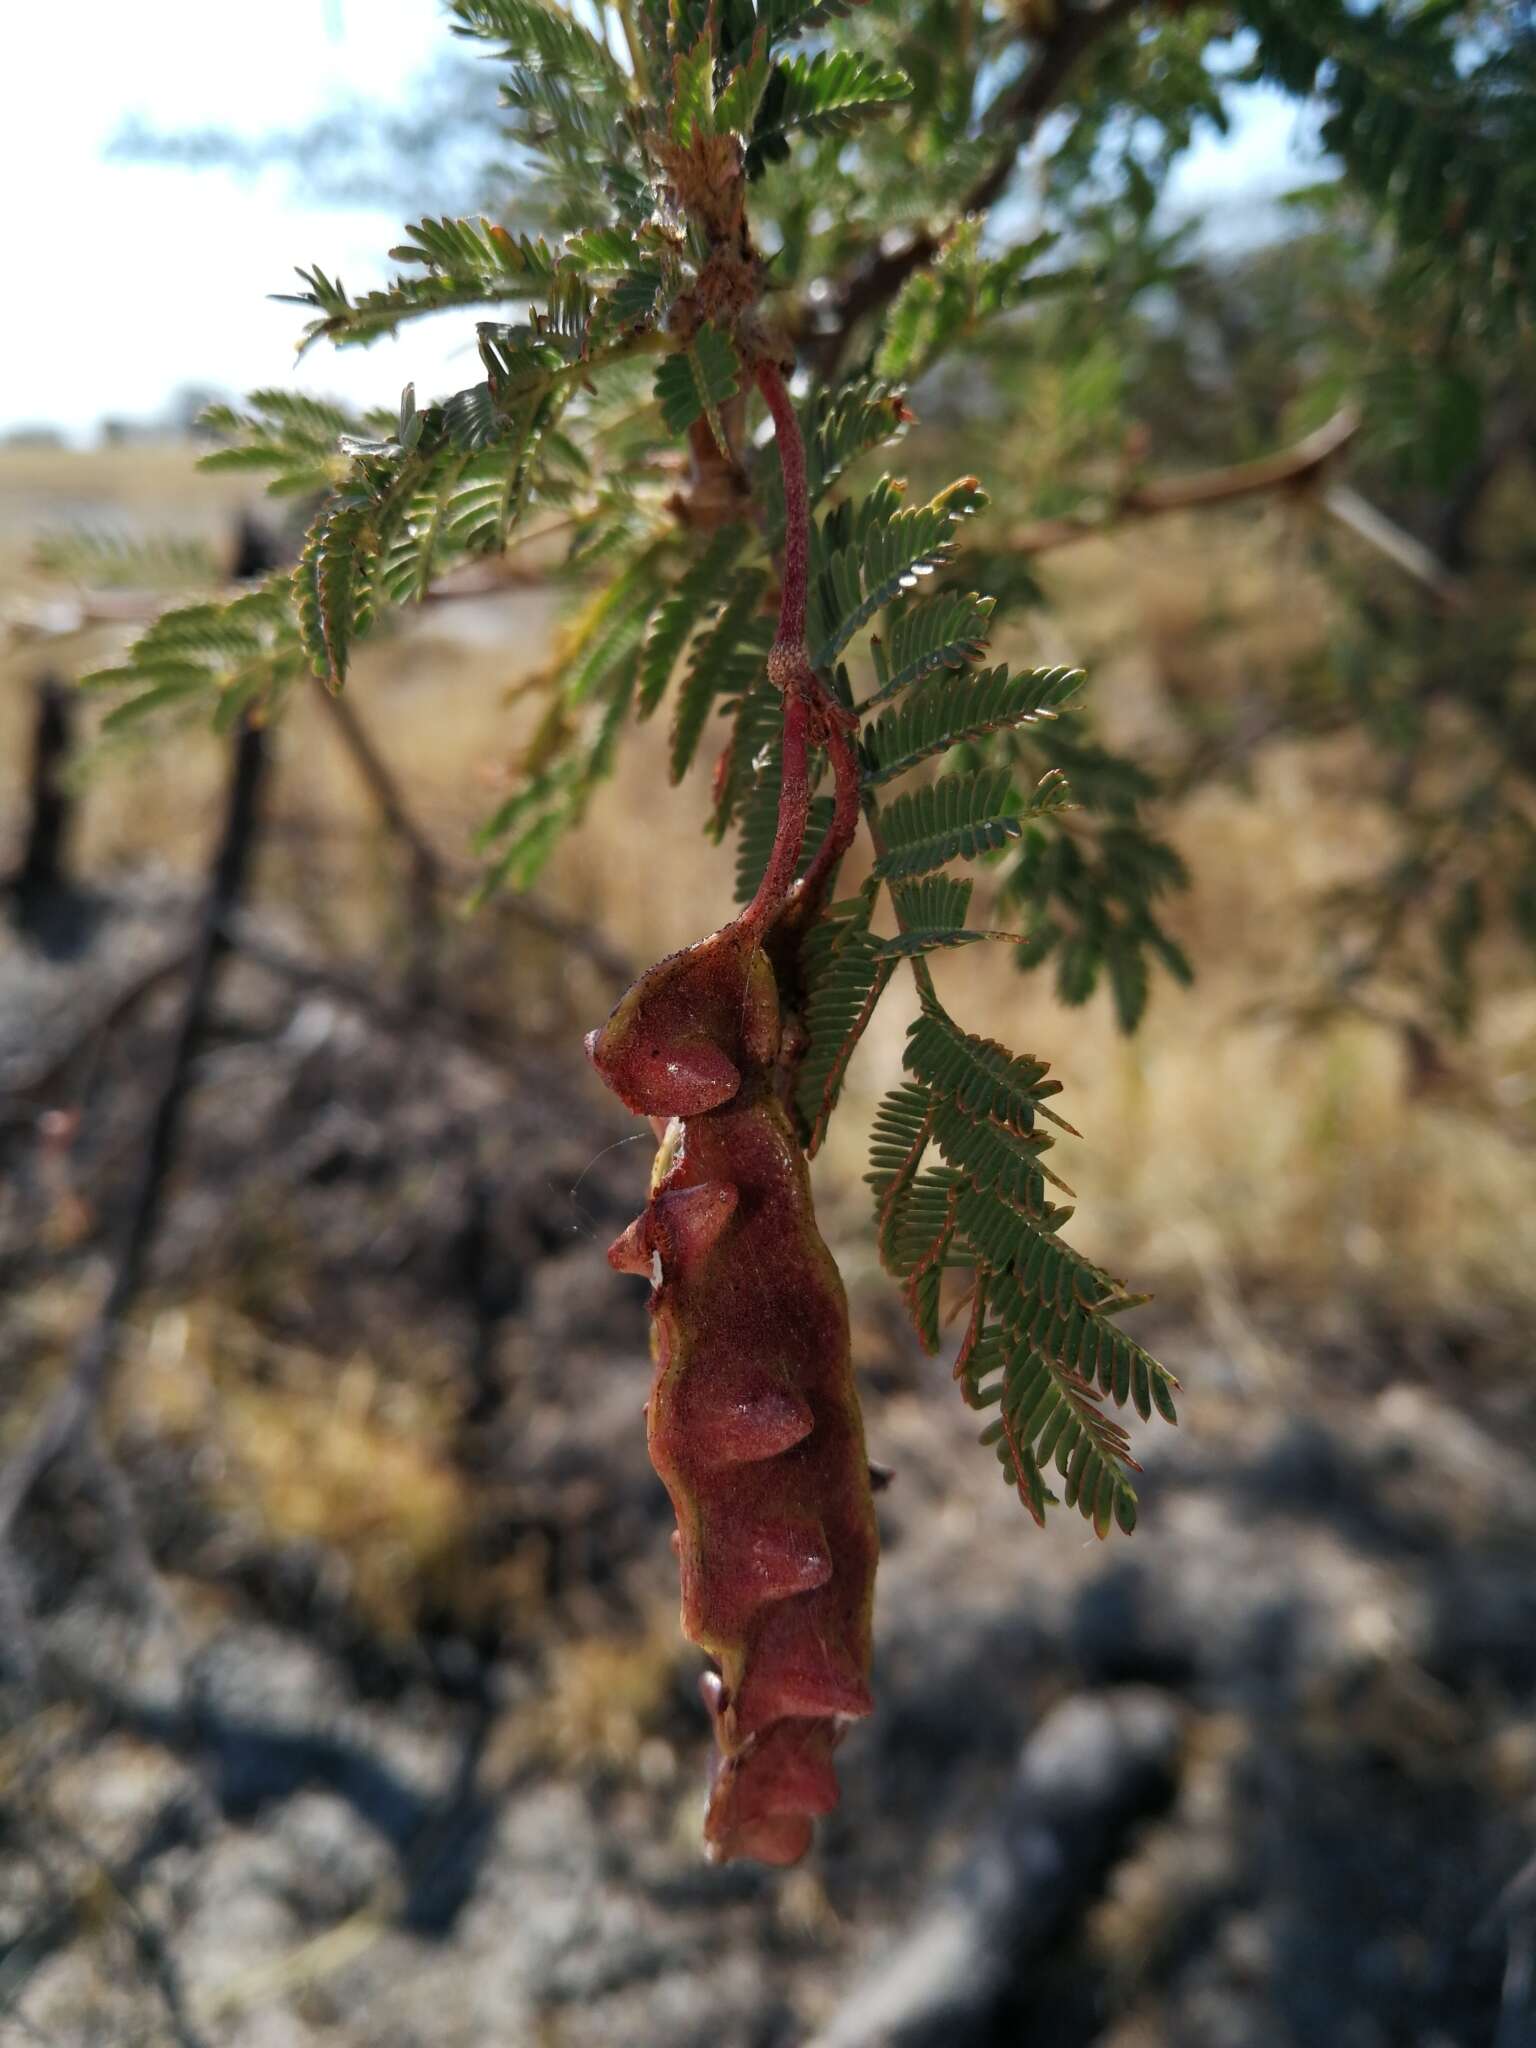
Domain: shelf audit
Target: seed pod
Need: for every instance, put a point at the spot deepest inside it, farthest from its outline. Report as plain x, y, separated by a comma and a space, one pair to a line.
753, 1420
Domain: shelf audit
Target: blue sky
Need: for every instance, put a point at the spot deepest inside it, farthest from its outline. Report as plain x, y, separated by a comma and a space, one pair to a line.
130, 280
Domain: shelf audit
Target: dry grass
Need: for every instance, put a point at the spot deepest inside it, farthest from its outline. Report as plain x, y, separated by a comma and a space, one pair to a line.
602, 1703
1224, 1151
300, 1455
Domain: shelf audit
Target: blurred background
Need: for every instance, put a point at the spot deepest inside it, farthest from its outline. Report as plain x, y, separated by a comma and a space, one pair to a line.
341, 1694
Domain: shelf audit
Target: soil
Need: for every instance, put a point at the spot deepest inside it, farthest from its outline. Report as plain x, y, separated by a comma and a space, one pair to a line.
359, 1717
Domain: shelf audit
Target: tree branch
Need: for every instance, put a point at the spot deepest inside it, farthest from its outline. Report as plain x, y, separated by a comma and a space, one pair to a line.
1289, 468
1400, 548
73, 1408
1018, 111
426, 866
432, 871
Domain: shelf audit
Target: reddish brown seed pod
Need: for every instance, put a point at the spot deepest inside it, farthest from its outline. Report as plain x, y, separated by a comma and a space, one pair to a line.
753, 1419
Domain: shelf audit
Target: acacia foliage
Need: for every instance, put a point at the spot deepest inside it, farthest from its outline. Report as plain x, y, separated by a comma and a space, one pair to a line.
606, 343
864, 145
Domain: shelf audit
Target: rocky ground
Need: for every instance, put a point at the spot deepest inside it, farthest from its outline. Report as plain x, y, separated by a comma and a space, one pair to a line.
356, 1714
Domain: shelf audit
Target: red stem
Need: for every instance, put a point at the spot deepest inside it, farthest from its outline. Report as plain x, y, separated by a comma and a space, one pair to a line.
797, 511
794, 807
789, 667
845, 817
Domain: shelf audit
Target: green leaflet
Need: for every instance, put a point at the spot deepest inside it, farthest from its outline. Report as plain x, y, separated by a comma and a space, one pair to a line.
985, 1079
694, 382
947, 630
759, 817
174, 690
457, 248
333, 586
297, 439
530, 824
1047, 1415
956, 708
1042, 1347
828, 94
935, 903
957, 817
959, 1163
917, 940
736, 109
228, 654
889, 550
846, 973
466, 263
780, 21
632, 299
693, 91
600, 250
848, 422
540, 37
962, 291
679, 616
751, 754
726, 661
838, 426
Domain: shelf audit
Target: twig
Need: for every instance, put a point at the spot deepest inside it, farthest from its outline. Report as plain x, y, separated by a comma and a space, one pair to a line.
354, 989
170, 1829
1018, 110
1366, 523
426, 880
15, 1630
130, 1562
44, 1080
789, 667
1287, 469
1298, 468
431, 870
61, 617
251, 943
76, 1403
